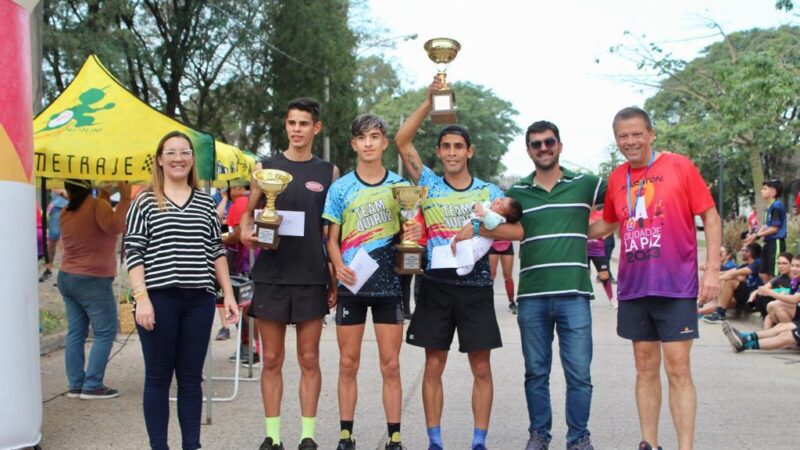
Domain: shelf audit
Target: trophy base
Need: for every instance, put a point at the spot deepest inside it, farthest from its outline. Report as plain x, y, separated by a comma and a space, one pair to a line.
267, 234
409, 260
443, 110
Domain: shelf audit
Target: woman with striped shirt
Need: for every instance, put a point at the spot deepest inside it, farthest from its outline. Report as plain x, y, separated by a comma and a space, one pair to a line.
174, 252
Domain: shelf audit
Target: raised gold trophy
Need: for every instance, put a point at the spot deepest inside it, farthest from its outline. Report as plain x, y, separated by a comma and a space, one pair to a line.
443, 51
272, 182
409, 253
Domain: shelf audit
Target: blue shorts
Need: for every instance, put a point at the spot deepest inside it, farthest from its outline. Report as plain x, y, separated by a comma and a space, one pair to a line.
662, 319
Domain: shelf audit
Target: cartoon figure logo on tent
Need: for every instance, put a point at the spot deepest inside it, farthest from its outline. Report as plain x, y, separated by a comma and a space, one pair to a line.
82, 113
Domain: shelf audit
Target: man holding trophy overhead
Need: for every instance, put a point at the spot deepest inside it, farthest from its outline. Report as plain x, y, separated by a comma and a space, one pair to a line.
448, 302
288, 288
363, 216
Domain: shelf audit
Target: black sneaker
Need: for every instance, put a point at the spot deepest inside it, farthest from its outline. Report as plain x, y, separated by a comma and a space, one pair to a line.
99, 394
513, 307
307, 444
73, 393
223, 334
268, 445
256, 360
392, 445
346, 444
644, 445
46, 275
714, 318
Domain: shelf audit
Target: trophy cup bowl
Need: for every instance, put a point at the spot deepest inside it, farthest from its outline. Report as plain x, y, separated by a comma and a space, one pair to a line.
272, 182
442, 51
409, 253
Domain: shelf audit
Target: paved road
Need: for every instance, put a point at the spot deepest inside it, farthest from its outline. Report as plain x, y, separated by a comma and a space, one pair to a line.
746, 401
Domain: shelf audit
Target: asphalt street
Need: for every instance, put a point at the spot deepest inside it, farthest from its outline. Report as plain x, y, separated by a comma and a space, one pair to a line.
745, 401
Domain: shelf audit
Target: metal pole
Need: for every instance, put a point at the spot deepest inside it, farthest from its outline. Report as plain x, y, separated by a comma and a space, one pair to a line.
326, 142
721, 200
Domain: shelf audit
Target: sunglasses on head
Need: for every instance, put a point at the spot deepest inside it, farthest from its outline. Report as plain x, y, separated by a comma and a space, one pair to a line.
537, 145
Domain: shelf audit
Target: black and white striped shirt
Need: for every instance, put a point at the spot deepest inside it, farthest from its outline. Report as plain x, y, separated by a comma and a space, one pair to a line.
177, 245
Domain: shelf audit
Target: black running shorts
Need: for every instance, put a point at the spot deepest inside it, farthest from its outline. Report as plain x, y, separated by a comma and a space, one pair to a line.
352, 310
289, 303
444, 309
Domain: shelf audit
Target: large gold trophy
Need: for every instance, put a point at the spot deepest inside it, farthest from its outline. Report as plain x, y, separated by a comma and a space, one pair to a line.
272, 182
443, 51
409, 253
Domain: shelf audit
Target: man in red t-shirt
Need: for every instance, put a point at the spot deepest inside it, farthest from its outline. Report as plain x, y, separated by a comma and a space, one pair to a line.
653, 199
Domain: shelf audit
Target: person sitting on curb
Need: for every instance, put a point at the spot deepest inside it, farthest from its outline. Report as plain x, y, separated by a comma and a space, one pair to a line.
736, 285
761, 298
781, 336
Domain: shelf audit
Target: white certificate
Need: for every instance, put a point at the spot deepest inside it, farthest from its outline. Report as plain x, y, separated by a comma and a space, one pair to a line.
293, 223
364, 266
443, 257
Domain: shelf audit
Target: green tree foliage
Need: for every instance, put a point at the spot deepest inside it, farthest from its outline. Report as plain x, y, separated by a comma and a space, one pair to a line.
314, 42
740, 100
376, 82
489, 119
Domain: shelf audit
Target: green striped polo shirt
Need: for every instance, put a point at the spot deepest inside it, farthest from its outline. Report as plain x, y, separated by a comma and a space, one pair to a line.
553, 259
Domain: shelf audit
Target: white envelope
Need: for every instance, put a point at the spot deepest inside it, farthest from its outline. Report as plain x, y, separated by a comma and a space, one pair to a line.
443, 257
364, 266
293, 223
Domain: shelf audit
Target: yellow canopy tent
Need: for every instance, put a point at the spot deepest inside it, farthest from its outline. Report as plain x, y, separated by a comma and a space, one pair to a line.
232, 164
97, 130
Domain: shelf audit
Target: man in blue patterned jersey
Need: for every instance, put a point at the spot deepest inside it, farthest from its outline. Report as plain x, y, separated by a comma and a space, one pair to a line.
363, 216
448, 302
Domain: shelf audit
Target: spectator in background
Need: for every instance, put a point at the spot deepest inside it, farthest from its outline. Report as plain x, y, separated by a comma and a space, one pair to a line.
795, 212
89, 228
761, 297
727, 257
230, 208
596, 252
58, 200
736, 285
773, 231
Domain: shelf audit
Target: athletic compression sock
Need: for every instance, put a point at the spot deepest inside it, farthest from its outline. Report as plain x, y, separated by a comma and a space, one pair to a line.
347, 429
274, 429
309, 427
607, 288
510, 289
747, 337
393, 430
478, 437
435, 436
752, 344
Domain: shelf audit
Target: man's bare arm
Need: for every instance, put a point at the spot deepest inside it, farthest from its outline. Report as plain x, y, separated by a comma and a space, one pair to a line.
712, 225
601, 228
405, 136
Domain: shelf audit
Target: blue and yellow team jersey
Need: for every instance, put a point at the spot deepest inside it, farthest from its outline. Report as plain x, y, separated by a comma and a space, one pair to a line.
445, 211
369, 218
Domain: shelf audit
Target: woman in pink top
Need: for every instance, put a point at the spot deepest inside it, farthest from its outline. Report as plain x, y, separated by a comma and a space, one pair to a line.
89, 232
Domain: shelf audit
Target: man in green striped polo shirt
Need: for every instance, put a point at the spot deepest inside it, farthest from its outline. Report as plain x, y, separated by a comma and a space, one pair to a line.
554, 287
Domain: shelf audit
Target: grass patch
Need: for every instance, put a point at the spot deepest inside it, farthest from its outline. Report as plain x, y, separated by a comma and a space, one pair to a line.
50, 322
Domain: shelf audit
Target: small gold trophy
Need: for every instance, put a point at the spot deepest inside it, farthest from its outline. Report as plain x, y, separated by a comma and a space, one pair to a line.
443, 51
409, 253
272, 182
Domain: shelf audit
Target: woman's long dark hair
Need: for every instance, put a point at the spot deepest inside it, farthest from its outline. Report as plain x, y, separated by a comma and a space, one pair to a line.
77, 190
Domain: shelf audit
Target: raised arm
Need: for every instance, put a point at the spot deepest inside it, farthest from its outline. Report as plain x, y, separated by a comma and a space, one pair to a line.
405, 136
